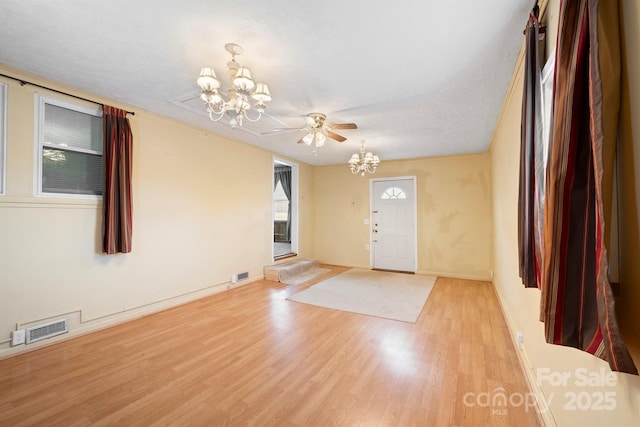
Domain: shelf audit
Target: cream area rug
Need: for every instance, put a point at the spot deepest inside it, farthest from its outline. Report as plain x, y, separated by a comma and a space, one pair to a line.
395, 296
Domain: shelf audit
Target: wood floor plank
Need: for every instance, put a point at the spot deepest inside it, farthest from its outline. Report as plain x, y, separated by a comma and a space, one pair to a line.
248, 356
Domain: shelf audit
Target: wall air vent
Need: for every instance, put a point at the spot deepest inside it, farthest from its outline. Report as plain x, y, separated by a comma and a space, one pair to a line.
242, 276
47, 330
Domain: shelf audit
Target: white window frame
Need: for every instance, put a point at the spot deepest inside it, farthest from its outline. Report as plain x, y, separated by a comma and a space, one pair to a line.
41, 101
3, 138
546, 90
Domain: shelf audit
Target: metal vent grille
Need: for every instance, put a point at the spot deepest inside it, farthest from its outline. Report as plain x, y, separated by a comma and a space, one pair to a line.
47, 330
244, 275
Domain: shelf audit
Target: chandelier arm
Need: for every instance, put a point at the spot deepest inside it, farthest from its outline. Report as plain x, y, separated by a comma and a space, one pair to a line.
217, 109
219, 115
246, 116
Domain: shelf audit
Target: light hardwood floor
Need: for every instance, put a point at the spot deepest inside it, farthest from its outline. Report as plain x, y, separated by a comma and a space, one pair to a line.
250, 357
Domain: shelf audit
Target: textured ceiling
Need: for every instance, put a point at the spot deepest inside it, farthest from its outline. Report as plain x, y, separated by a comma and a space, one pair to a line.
419, 77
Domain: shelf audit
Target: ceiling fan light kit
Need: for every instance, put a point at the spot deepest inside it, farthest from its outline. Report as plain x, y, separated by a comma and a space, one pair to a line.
317, 130
242, 88
316, 138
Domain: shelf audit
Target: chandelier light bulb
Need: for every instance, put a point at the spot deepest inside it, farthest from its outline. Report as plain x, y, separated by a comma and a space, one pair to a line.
262, 93
213, 98
208, 80
243, 80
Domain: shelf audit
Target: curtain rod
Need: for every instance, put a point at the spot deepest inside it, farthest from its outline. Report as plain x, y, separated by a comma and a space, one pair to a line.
24, 82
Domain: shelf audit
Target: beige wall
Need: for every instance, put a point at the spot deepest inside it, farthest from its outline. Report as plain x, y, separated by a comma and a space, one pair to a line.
454, 214
198, 219
629, 183
306, 211
521, 305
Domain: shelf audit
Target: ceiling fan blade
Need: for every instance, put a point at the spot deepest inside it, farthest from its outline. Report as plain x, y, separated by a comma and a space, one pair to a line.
343, 126
336, 136
277, 130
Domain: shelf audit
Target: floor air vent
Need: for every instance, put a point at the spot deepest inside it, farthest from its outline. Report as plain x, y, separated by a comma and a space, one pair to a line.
47, 330
239, 276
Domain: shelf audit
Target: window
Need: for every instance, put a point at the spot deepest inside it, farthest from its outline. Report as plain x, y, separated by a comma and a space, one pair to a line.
3, 135
70, 140
281, 204
393, 193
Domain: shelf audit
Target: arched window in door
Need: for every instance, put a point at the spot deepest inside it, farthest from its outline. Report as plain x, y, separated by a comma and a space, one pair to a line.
393, 193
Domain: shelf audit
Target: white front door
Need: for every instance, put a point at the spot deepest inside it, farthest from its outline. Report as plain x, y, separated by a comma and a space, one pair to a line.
393, 224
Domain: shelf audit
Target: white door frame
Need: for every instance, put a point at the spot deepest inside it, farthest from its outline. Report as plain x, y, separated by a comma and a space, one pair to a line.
415, 216
293, 201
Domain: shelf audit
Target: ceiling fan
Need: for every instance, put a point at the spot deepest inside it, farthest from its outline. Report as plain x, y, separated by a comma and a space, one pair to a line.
317, 130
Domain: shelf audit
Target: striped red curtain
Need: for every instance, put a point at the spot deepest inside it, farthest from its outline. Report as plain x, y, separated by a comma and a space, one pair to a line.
116, 197
531, 180
578, 307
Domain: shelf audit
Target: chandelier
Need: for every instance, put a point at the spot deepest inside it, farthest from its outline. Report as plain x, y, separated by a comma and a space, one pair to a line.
364, 162
243, 87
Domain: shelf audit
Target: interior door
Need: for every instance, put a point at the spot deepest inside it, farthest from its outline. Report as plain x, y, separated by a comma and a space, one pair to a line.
393, 225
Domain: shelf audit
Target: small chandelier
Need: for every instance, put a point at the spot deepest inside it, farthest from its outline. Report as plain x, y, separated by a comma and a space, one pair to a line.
363, 163
241, 89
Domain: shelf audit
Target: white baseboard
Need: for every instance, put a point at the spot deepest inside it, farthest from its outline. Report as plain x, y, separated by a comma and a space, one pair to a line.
545, 417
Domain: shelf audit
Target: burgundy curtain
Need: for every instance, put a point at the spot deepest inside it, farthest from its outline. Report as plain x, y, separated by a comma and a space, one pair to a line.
116, 196
577, 303
531, 180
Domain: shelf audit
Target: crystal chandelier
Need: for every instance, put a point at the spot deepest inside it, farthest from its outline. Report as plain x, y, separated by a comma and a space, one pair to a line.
242, 88
364, 162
